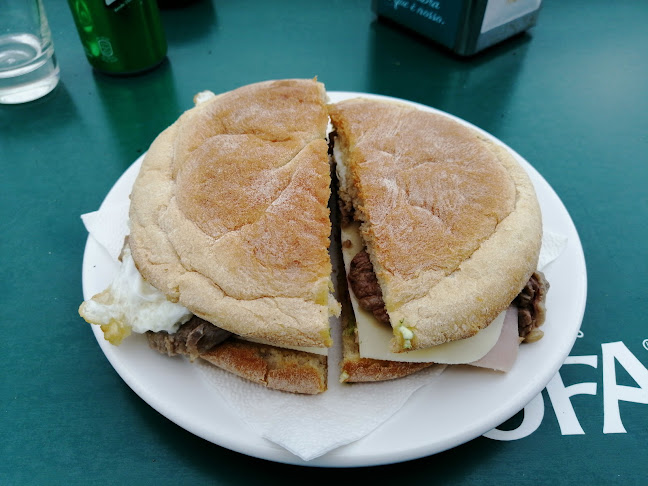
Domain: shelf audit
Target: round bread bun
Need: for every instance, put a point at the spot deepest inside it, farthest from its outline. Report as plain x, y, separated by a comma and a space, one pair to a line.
450, 220
229, 213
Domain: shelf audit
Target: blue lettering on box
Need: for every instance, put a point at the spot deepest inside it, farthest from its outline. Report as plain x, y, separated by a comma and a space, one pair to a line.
437, 19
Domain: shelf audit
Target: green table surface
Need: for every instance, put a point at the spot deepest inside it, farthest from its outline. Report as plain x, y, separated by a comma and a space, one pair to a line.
571, 96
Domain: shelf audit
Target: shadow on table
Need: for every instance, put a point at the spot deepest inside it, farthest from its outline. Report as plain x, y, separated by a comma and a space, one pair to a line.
406, 65
51, 113
137, 108
191, 19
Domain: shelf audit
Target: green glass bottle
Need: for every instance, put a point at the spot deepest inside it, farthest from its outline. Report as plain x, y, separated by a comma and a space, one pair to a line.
120, 36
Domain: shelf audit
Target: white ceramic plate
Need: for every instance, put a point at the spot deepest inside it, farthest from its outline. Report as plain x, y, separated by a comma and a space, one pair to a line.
459, 406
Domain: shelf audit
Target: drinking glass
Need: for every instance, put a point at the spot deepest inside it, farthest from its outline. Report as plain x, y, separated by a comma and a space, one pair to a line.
28, 67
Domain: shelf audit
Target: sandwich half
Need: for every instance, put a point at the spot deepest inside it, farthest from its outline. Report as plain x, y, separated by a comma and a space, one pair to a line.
230, 233
441, 231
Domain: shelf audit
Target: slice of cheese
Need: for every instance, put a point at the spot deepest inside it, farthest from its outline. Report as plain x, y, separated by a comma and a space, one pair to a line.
374, 337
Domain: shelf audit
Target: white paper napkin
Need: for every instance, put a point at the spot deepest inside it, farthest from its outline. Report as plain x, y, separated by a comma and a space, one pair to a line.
109, 226
307, 426
311, 425
553, 245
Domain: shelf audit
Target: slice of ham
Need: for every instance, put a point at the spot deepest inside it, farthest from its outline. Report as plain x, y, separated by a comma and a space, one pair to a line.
502, 356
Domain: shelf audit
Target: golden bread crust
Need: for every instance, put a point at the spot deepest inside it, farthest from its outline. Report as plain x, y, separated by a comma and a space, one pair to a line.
229, 212
276, 368
450, 219
356, 369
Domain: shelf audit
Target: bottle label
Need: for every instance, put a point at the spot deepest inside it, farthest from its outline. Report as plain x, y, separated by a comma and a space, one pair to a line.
116, 5
105, 46
120, 36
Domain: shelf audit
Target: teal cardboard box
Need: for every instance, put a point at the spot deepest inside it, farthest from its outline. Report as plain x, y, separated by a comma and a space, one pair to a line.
464, 26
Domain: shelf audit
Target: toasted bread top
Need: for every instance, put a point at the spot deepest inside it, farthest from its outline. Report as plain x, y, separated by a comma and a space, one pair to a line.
229, 212
450, 219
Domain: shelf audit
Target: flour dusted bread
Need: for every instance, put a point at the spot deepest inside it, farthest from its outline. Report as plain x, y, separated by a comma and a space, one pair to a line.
450, 220
229, 213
